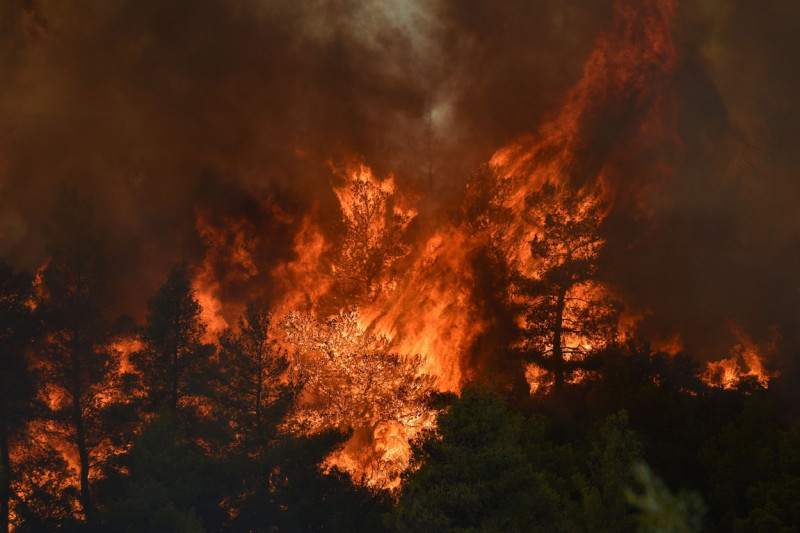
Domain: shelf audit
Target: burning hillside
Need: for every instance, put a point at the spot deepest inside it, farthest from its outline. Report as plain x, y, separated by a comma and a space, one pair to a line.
284, 228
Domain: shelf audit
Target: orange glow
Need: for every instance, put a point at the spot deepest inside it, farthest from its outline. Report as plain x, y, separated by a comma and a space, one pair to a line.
124, 347
353, 381
302, 281
229, 249
746, 361
417, 298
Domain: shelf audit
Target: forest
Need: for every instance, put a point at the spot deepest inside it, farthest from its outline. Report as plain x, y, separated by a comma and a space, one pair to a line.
276, 425
399, 266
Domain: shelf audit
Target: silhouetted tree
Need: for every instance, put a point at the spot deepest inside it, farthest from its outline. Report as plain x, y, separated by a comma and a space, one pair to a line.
78, 365
17, 382
251, 367
170, 486
568, 313
174, 352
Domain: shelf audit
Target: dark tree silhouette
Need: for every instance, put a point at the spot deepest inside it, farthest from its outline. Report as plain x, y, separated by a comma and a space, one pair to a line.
17, 383
174, 352
568, 312
476, 474
170, 486
78, 365
251, 367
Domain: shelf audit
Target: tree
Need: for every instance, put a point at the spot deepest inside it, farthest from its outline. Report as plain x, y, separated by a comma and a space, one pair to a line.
481, 473
170, 486
567, 311
174, 351
610, 451
17, 381
352, 381
374, 227
660, 510
78, 366
252, 368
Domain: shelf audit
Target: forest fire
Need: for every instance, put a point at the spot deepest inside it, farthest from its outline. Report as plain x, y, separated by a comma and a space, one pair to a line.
386, 250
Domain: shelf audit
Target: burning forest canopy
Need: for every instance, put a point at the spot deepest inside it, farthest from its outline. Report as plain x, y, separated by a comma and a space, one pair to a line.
296, 222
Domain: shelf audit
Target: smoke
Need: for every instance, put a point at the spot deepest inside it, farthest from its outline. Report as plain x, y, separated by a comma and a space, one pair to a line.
720, 239
164, 112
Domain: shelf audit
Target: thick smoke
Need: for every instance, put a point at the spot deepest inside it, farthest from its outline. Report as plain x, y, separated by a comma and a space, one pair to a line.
163, 111
719, 244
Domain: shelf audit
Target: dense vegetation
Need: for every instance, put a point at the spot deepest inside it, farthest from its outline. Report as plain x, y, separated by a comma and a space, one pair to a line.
187, 435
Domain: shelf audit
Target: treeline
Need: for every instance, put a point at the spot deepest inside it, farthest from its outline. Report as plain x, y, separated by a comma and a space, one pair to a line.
110, 426
176, 434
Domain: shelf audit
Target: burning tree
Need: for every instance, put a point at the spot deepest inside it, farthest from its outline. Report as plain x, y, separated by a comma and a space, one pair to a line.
78, 366
374, 226
567, 311
352, 381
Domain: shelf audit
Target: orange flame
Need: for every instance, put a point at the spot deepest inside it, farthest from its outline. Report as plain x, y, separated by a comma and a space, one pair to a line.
229, 248
746, 361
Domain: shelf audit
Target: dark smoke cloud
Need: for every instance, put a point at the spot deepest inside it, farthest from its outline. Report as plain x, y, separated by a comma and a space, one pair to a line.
723, 243
158, 109
142, 104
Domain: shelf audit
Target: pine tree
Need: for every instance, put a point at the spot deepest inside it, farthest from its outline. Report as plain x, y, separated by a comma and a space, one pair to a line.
174, 353
373, 240
78, 365
251, 369
17, 381
352, 381
568, 312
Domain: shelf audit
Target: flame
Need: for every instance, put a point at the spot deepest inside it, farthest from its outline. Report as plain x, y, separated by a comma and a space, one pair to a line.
431, 311
746, 361
353, 304
419, 297
124, 347
230, 248
351, 380
302, 282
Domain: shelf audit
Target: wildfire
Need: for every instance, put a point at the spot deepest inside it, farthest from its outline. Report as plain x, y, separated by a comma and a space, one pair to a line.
746, 361
372, 314
373, 311
229, 249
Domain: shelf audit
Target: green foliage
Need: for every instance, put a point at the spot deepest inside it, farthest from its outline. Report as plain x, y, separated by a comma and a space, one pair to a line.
476, 475
739, 456
168, 484
490, 469
661, 511
775, 502
611, 449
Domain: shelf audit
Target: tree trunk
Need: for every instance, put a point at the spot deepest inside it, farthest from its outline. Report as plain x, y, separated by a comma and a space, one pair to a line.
85, 496
174, 378
259, 386
558, 348
5, 468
